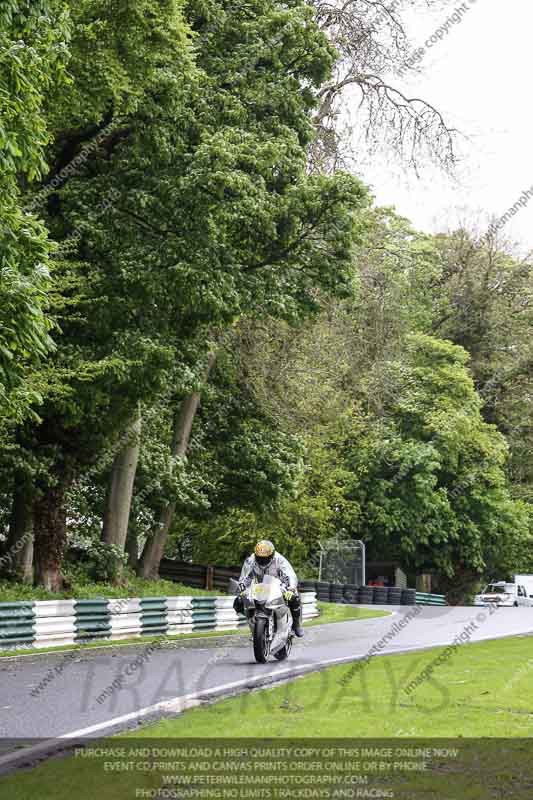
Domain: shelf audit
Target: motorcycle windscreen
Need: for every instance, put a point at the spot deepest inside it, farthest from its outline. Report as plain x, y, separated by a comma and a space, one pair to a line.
268, 590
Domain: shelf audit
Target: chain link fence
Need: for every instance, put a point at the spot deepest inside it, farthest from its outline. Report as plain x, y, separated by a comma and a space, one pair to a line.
343, 561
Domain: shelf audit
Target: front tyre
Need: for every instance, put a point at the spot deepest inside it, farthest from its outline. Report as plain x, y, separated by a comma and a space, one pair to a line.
261, 643
285, 652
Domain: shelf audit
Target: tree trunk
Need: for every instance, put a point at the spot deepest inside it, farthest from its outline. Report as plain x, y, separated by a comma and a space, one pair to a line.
50, 537
183, 422
17, 559
132, 546
120, 489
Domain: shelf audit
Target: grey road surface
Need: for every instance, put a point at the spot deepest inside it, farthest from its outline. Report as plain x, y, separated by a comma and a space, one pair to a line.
72, 694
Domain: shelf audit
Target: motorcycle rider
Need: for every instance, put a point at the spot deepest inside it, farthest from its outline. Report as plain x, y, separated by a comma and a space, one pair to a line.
266, 561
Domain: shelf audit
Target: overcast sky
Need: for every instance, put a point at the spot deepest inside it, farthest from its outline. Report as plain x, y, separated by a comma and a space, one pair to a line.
479, 77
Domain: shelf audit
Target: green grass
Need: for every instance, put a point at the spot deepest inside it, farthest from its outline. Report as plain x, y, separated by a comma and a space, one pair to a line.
130, 587
471, 694
329, 612
484, 690
335, 612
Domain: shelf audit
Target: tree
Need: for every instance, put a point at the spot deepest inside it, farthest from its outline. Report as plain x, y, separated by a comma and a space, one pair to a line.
104, 363
373, 47
195, 206
396, 448
31, 60
181, 434
431, 480
483, 301
120, 490
246, 462
279, 234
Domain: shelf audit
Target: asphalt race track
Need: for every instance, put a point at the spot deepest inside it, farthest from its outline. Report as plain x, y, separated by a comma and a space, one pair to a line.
68, 688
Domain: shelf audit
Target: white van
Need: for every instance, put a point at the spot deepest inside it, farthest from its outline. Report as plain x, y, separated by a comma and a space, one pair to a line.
527, 582
501, 593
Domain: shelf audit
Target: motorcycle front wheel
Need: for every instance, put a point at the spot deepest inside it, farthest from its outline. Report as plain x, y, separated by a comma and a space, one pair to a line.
284, 653
261, 643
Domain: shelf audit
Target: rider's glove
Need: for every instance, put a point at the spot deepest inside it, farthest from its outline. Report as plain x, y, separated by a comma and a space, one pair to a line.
288, 595
242, 589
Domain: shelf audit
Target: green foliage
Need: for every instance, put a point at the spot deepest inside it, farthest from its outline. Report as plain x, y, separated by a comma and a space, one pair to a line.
106, 359
429, 478
369, 379
83, 588
32, 56
249, 460
397, 450
484, 304
312, 513
100, 561
196, 207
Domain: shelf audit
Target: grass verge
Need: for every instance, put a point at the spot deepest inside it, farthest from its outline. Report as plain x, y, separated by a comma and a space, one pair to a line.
335, 612
485, 689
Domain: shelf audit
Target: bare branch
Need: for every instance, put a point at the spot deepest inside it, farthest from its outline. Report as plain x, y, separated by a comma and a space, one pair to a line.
372, 43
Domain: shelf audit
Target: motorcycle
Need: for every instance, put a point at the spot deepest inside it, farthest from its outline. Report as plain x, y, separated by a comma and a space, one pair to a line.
269, 618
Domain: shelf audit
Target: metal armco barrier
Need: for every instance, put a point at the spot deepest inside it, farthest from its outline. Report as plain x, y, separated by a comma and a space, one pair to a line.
17, 623
424, 599
52, 623
92, 619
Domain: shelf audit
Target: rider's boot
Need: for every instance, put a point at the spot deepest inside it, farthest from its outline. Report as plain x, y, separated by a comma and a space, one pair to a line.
297, 621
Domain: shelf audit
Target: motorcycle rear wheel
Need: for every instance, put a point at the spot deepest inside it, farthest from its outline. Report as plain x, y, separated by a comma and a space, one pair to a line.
261, 643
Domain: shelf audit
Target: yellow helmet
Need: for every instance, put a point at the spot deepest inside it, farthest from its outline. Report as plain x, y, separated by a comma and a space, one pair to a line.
264, 552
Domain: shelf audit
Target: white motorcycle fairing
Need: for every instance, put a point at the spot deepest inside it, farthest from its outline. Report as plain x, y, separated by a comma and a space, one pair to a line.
266, 600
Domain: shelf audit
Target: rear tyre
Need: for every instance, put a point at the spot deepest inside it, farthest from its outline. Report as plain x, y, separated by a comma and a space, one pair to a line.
261, 644
285, 652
